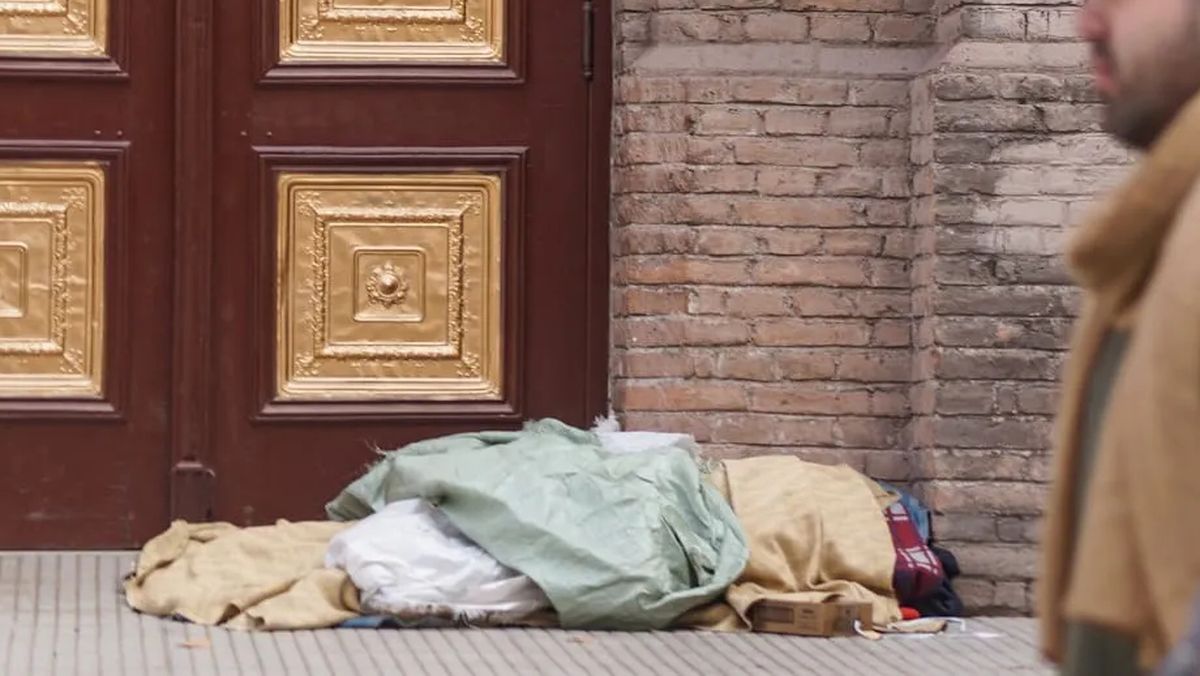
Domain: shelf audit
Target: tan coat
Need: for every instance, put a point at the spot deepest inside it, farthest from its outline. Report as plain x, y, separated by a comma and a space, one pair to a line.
1137, 564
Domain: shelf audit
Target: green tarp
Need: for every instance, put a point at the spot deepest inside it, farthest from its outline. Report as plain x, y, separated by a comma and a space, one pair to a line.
617, 541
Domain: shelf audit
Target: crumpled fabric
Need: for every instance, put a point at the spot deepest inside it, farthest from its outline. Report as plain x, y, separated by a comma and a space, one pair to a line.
816, 533
921, 516
266, 577
410, 562
616, 541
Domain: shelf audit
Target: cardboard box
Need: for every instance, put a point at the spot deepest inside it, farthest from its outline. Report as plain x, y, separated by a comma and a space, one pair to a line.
835, 618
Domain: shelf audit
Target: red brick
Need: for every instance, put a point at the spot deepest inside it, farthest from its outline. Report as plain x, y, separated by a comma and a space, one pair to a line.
999, 561
859, 122
777, 27
729, 121
840, 28
680, 270
814, 152
655, 363
965, 527
886, 465
642, 148
1000, 496
756, 365
878, 93
726, 242
819, 302
647, 332
803, 332
716, 332
852, 243
641, 239
765, 429
772, 181
846, 5
892, 333
851, 182
807, 270
972, 398
709, 151
691, 395
903, 29
649, 90
962, 363
791, 242
815, 92
885, 153
757, 302
875, 366
793, 211
993, 433
692, 26
795, 120
870, 432
641, 301
708, 300
805, 365
722, 179
807, 398
1019, 529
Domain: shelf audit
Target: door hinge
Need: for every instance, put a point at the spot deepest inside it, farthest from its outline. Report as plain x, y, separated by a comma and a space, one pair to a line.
589, 39
193, 489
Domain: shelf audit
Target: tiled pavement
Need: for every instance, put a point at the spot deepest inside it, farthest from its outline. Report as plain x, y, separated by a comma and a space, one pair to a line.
60, 613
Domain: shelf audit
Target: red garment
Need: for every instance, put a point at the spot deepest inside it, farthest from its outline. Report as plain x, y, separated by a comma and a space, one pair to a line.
907, 613
918, 572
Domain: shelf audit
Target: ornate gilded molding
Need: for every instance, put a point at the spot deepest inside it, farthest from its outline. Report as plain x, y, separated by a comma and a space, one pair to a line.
395, 31
389, 287
52, 292
54, 28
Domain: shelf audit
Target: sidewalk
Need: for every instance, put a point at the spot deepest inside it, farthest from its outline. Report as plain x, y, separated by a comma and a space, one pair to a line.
60, 613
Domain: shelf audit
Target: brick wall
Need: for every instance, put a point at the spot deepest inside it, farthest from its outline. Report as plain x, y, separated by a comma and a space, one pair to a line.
1007, 151
836, 235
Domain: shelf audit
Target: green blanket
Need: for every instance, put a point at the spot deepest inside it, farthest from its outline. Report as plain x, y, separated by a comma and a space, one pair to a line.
616, 541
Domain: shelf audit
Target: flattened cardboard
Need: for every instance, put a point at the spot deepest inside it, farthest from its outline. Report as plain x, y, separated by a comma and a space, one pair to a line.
835, 618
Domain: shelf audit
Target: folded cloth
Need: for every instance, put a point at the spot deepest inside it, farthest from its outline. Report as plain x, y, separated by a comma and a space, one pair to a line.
267, 577
816, 534
918, 572
616, 541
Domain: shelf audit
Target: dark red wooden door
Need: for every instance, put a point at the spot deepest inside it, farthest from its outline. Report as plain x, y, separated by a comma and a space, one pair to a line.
245, 242
86, 184
407, 237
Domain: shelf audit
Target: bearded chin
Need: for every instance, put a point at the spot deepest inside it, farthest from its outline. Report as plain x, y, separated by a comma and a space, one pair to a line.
1139, 120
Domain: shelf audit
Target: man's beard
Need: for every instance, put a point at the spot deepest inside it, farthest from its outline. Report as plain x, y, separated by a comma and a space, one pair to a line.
1146, 106
1139, 120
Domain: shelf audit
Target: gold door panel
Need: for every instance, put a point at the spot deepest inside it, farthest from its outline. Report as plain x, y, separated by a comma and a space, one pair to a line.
389, 287
51, 280
53, 28
394, 31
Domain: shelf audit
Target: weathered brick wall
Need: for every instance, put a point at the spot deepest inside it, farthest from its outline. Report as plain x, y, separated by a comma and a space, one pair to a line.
1007, 152
837, 227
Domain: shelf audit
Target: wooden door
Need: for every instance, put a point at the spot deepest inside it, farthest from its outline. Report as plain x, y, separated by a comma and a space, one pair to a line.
86, 184
407, 238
